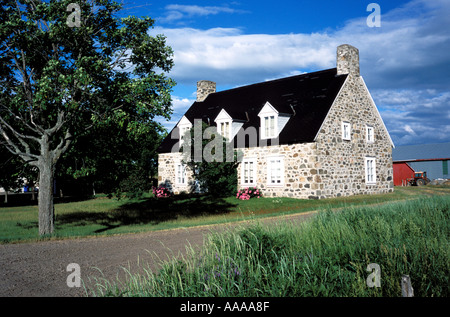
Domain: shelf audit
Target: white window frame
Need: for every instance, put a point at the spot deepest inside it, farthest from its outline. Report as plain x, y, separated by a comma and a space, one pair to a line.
183, 126
224, 128
180, 173
275, 175
224, 124
269, 122
269, 126
346, 131
248, 171
183, 130
370, 134
370, 170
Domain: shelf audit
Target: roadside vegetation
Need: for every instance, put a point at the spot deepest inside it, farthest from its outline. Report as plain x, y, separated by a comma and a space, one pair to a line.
327, 256
405, 232
108, 216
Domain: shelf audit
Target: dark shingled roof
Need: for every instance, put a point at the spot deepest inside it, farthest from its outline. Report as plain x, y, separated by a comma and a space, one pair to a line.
306, 98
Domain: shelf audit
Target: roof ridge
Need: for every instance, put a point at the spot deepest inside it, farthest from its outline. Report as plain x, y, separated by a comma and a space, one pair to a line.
276, 80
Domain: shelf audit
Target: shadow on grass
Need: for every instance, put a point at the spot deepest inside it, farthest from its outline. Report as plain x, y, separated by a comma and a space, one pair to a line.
148, 211
25, 199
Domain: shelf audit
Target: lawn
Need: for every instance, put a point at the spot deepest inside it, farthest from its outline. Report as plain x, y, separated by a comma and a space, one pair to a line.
104, 216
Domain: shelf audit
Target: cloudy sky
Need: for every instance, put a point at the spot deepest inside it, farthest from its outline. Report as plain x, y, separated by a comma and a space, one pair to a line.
404, 56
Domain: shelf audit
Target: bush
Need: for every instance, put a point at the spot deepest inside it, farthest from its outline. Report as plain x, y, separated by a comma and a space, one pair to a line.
247, 193
133, 185
161, 192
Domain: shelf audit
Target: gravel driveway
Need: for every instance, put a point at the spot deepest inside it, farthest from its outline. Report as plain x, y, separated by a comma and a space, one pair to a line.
40, 269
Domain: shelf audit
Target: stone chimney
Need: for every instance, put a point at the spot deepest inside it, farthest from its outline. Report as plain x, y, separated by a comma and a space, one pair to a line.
347, 60
204, 88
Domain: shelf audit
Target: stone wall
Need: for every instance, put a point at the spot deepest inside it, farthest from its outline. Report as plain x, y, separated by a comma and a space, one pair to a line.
301, 175
167, 173
342, 162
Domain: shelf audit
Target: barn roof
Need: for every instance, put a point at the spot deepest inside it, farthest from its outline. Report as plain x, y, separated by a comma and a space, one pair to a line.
306, 98
421, 152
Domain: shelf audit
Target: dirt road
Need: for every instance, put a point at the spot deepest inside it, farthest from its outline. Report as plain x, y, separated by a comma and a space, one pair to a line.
40, 269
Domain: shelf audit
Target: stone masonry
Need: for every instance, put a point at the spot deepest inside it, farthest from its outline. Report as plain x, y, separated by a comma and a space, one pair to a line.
204, 88
341, 162
330, 166
301, 175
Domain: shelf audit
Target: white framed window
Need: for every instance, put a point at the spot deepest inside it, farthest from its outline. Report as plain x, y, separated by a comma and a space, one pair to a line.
346, 130
268, 127
183, 131
180, 170
224, 129
183, 126
275, 171
248, 171
370, 170
224, 124
370, 134
271, 125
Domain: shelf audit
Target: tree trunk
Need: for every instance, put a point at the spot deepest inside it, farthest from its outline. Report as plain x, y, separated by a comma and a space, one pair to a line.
6, 196
46, 207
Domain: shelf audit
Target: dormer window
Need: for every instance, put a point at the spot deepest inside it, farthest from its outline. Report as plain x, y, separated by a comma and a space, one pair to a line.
224, 124
183, 127
272, 122
224, 129
268, 127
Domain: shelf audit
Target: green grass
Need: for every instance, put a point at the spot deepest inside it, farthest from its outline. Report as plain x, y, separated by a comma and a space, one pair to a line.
327, 256
103, 216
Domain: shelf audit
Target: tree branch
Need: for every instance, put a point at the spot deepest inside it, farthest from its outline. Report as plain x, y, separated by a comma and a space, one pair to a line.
27, 156
62, 146
17, 134
59, 123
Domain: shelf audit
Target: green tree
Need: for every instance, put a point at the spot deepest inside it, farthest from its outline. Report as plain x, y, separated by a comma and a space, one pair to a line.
215, 168
10, 167
64, 72
111, 160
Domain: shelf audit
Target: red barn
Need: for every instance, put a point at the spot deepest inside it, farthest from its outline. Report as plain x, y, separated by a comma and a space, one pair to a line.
431, 158
402, 171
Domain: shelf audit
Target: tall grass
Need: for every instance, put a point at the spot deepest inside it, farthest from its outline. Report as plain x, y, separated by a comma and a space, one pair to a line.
327, 256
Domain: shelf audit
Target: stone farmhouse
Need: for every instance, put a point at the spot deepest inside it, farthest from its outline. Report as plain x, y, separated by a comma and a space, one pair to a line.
315, 135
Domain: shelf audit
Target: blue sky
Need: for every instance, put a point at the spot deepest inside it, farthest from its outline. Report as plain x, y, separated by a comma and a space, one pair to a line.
405, 61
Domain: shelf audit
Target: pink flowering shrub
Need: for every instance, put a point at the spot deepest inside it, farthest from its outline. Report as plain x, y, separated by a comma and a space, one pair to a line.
247, 193
161, 191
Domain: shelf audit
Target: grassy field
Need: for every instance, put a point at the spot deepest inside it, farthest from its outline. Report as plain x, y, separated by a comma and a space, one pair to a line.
104, 216
327, 256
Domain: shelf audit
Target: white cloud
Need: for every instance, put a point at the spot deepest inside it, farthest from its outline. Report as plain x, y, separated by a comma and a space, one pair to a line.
405, 62
181, 103
422, 114
412, 43
178, 12
231, 57
408, 129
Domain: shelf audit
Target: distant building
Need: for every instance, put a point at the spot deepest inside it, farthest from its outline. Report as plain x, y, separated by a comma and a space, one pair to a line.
431, 158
